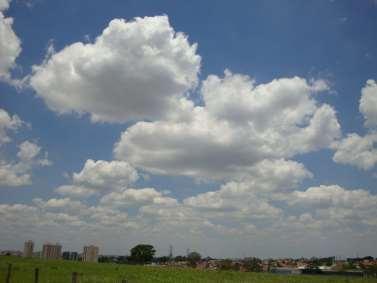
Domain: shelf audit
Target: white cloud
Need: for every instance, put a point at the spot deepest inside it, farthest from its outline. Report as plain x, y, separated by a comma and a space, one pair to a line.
99, 176
334, 195
18, 173
136, 197
47, 216
8, 123
28, 151
235, 98
75, 191
337, 206
102, 173
133, 70
60, 204
277, 175
239, 126
236, 200
368, 103
358, 151
10, 44
14, 175
4, 4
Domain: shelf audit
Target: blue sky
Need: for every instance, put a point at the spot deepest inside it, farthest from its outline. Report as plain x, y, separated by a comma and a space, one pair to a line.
329, 186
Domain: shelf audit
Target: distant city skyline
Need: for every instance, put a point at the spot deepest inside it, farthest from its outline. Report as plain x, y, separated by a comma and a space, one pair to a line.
245, 128
50, 250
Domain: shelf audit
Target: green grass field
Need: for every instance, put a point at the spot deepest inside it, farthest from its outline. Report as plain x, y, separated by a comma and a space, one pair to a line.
60, 272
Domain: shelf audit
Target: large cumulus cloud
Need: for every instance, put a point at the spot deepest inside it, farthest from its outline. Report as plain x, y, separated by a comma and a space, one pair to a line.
239, 125
133, 70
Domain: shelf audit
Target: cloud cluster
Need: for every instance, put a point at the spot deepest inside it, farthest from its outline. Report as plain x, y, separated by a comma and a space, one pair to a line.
268, 201
17, 172
356, 150
236, 211
4, 4
133, 70
10, 44
339, 206
239, 125
98, 177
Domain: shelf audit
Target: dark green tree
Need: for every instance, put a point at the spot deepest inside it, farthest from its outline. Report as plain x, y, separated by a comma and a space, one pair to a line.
142, 254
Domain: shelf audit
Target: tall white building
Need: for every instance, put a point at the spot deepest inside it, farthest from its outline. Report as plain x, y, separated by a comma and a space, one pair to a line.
90, 254
28, 249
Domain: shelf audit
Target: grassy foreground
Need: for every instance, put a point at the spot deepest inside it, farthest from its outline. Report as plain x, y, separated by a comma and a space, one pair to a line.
60, 272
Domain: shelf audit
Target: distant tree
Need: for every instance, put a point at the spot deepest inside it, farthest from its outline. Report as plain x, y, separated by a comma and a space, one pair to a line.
193, 258
142, 254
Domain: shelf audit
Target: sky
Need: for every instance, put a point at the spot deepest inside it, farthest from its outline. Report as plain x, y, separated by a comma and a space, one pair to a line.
234, 129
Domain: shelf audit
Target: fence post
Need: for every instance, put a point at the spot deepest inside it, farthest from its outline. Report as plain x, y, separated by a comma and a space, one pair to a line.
74, 277
7, 278
36, 275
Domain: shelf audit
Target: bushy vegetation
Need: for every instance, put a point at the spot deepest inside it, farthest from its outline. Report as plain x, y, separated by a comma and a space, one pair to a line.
60, 272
